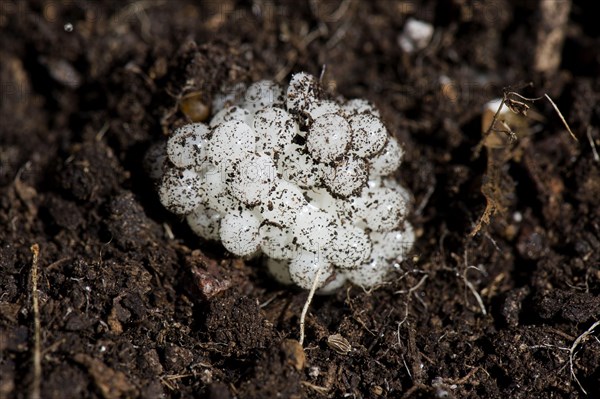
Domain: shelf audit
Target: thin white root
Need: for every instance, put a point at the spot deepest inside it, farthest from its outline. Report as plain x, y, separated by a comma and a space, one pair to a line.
475, 294
572, 352
470, 285
592, 144
37, 352
311, 294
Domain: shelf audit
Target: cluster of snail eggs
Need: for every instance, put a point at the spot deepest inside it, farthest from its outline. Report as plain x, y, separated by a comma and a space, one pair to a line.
302, 179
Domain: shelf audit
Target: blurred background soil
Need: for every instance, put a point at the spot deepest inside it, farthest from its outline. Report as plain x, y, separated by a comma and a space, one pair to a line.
132, 304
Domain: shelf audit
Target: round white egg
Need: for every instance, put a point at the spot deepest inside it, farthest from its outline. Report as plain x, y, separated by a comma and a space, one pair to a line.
187, 145
240, 232
328, 137
304, 268
181, 190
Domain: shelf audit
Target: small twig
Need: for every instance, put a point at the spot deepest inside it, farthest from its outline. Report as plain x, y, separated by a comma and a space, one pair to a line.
572, 352
530, 99
37, 352
311, 293
589, 136
561, 117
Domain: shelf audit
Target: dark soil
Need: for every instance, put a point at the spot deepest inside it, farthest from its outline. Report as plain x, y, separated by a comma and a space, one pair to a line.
132, 304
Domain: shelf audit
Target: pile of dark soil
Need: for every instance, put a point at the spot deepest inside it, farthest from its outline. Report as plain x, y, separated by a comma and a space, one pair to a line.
132, 304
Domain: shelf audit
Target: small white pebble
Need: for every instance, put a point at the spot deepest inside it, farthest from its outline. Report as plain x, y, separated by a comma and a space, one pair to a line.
415, 36
493, 106
517, 217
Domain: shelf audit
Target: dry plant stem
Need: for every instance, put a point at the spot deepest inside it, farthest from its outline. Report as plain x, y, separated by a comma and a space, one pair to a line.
518, 105
562, 118
311, 294
37, 353
489, 130
572, 352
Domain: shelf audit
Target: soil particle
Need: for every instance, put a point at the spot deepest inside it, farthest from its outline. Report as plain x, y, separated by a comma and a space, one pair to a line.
111, 384
79, 177
127, 222
573, 306
236, 323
